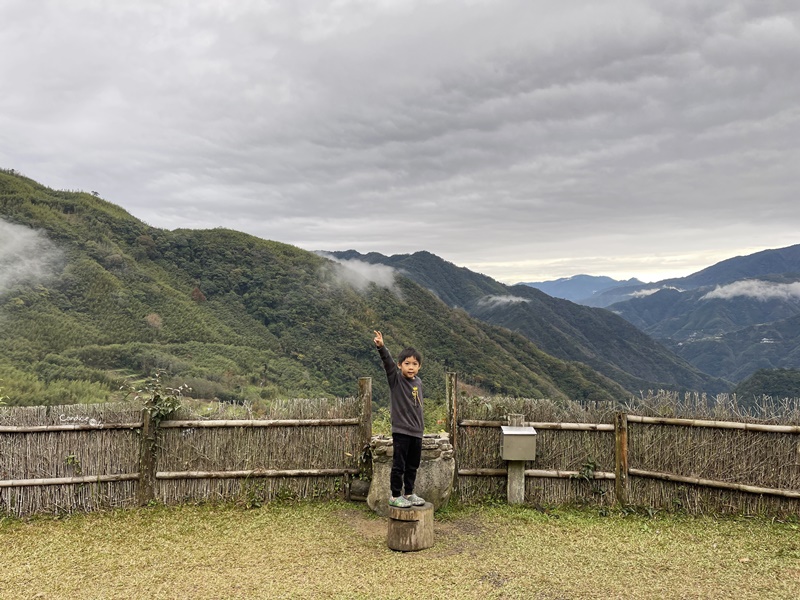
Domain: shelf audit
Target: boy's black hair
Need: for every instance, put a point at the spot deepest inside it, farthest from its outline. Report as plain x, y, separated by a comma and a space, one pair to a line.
407, 353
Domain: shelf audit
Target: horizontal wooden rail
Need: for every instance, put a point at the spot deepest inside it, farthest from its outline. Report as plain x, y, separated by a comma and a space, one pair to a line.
645, 420
536, 425
254, 473
254, 423
573, 426
568, 474
716, 424
484, 472
184, 424
68, 480
535, 473
739, 487
67, 427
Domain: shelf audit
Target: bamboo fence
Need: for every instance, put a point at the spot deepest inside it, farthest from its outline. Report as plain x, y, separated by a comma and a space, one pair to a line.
61, 459
66, 458
572, 455
661, 451
305, 449
692, 460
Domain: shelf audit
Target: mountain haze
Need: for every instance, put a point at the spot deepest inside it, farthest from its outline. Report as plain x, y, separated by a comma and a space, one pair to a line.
781, 263
729, 330
579, 288
730, 320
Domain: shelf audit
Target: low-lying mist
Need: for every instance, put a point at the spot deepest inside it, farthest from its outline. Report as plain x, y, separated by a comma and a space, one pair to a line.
26, 257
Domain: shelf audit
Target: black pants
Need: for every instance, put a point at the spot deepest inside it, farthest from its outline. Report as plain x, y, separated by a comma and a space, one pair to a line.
405, 462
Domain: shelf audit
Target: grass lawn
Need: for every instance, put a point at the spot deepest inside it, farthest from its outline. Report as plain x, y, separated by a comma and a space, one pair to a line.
338, 550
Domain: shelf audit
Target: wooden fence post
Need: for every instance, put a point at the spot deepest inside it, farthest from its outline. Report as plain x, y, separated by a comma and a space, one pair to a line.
621, 458
145, 491
451, 387
365, 395
451, 391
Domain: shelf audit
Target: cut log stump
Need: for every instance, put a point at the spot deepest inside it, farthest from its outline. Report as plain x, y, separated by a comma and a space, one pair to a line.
410, 529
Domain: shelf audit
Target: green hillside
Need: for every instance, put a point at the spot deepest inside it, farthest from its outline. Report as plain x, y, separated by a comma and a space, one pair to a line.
777, 383
236, 317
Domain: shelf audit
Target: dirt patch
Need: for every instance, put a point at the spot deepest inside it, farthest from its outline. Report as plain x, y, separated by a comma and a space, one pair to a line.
370, 527
456, 536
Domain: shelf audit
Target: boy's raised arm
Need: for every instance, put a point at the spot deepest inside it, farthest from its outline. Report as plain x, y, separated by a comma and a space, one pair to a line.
388, 362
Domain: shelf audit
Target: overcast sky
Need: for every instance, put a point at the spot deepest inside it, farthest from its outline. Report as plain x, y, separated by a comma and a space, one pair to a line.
527, 140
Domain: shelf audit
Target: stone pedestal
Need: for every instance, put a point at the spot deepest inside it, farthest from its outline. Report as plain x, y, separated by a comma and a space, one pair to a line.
434, 477
410, 529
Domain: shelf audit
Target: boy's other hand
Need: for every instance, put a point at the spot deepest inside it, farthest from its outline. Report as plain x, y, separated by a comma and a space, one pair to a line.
378, 339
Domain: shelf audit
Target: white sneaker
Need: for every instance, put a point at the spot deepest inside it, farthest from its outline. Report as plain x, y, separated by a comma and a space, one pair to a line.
415, 500
399, 502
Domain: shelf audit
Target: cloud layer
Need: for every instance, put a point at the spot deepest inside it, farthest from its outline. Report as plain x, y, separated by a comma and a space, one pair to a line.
754, 288
525, 139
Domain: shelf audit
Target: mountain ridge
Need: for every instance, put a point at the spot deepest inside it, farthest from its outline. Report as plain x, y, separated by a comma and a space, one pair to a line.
579, 288
236, 317
730, 319
596, 337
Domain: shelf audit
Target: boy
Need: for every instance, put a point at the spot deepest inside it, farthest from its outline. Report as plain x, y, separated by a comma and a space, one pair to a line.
405, 407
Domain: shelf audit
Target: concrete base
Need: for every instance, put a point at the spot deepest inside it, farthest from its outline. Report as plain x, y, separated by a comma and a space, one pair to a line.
434, 478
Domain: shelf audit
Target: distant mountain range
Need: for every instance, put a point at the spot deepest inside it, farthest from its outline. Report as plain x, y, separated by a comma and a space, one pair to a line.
596, 337
729, 320
580, 288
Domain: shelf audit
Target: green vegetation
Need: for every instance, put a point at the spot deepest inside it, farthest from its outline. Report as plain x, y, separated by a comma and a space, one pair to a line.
777, 383
159, 400
232, 316
338, 550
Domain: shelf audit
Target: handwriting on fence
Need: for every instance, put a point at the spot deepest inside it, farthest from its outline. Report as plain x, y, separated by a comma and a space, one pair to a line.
79, 419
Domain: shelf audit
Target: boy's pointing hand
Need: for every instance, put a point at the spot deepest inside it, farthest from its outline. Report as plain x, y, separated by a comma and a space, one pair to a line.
378, 339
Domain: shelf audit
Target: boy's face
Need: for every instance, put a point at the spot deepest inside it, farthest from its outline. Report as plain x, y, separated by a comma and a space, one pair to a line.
410, 367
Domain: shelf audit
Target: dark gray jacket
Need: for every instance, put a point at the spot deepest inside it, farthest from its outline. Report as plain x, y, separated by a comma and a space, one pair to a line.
405, 405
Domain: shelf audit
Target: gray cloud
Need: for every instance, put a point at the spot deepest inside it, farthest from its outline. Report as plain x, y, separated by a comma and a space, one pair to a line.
523, 139
754, 288
26, 257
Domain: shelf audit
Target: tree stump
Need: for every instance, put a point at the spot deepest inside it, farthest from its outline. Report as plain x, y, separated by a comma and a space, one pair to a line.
410, 529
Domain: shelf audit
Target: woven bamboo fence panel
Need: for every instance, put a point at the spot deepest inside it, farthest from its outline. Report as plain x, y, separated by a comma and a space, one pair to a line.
720, 454
756, 458
60, 466
561, 450
223, 450
68, 454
